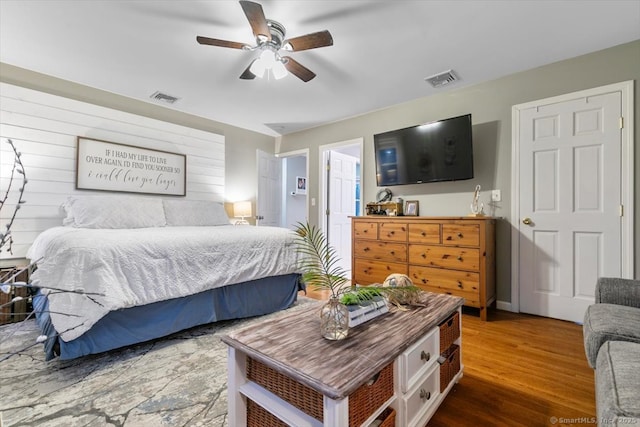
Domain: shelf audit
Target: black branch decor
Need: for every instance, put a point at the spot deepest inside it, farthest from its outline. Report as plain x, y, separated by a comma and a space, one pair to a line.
6, 239
9, 283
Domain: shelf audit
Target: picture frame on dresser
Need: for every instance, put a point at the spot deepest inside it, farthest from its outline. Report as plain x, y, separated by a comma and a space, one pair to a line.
411, 208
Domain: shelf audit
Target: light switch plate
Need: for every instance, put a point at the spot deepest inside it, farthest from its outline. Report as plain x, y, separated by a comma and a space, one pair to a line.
496, 196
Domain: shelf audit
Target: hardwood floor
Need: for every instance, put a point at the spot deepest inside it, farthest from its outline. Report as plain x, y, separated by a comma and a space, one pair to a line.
519, 370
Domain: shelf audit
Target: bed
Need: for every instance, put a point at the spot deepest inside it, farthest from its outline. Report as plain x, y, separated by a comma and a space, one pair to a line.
124, 270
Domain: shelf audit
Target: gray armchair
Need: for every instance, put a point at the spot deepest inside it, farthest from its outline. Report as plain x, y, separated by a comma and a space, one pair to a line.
611, 290
612, 345
614, 317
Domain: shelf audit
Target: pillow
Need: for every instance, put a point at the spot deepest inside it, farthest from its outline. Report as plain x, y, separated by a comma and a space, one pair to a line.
113, 212
194, 212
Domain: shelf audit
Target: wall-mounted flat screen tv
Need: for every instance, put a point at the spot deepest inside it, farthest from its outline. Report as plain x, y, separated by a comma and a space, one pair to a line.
432, 152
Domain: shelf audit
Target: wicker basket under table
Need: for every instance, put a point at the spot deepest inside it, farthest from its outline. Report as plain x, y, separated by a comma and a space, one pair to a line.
362, 403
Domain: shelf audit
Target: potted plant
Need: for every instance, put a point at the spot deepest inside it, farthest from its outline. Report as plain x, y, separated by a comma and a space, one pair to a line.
321, 271
319, 263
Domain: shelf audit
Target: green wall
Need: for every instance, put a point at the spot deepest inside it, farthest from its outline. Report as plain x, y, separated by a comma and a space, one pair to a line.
490, 104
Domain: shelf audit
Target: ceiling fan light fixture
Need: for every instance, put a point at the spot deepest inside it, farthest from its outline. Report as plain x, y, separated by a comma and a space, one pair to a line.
279, 70
258, 68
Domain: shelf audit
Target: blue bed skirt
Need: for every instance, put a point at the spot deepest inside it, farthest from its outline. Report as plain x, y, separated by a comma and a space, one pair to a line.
143, 323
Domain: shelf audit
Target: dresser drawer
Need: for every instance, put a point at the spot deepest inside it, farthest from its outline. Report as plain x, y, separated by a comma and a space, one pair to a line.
418, 359
471, 299
422, 398
396, 232
365, 230
367, 272
445, 257
461, 234
424, 233
445, 279
396, 252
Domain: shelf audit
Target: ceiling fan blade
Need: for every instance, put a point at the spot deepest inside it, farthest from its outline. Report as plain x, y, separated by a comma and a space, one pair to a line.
220, 43
248, 75
310, 41
256, 18
298, 70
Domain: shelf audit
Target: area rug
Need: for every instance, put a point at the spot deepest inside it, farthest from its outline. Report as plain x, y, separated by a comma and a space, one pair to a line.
180, 380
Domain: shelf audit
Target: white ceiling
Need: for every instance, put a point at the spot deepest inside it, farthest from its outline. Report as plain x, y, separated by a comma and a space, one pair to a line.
382, 50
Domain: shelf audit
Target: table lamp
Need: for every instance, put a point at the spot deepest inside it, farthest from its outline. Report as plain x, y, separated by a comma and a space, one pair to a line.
242, 210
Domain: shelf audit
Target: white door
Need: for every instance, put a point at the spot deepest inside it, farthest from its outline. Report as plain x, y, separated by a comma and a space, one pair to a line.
570, 187
269, 188
342, 204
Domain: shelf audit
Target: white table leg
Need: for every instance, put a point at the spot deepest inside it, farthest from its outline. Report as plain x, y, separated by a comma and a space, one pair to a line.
237, 376
336, 412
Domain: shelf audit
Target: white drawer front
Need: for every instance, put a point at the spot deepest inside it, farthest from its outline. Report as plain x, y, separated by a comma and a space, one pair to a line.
418, 359
423, 397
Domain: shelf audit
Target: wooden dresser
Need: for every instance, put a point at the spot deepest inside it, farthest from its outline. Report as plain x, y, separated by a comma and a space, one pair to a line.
452, 255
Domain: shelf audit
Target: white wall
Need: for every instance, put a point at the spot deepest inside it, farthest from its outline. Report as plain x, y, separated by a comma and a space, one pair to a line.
44, 129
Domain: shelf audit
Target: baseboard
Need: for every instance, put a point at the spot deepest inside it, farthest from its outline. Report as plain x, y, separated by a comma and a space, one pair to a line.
503, 305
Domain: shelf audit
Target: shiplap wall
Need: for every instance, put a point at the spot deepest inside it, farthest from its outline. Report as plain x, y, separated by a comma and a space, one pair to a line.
44, 129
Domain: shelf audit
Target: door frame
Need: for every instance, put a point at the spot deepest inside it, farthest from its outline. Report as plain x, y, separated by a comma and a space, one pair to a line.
296, 153
626, 162
322, 172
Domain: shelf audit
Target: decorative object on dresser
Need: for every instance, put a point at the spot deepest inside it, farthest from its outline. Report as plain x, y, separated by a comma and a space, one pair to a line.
385, 208
411, 208
477, 206
278, 378
452, 255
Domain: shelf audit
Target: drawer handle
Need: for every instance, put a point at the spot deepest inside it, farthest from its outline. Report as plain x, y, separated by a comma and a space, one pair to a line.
425, 395
425, 356
460, 235
460, 284
424, 281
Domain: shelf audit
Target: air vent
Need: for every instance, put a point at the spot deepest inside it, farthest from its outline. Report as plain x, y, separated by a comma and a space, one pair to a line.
163, 97
442, 79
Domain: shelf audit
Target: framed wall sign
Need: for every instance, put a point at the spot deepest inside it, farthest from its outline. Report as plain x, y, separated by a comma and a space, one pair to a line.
109, 166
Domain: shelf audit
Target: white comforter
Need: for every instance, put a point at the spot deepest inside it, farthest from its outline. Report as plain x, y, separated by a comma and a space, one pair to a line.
140, 266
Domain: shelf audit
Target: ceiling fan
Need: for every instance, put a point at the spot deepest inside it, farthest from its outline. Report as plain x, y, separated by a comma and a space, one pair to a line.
270, 40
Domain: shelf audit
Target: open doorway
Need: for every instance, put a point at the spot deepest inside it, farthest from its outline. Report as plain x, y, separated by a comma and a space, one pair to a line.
295, 181
340, 189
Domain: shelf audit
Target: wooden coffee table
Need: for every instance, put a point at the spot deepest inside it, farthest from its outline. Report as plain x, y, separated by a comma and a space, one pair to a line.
291, 347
